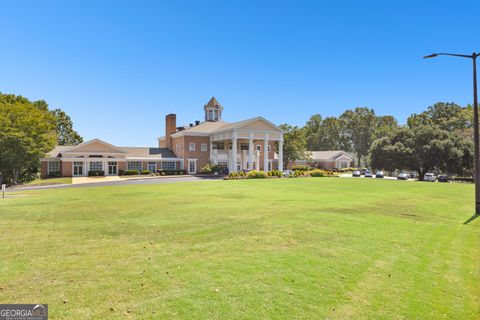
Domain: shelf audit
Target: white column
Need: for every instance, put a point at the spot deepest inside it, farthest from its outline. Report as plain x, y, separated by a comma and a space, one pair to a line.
250, 152
234, 152
265, 153
280, 154
213, 157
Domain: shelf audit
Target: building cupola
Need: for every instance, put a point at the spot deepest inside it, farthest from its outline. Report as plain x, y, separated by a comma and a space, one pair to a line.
213, 110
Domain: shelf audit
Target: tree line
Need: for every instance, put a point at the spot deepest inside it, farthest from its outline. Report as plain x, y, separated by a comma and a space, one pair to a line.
439, 138
28, 130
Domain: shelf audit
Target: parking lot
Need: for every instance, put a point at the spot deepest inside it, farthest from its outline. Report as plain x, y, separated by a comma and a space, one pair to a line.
349, 175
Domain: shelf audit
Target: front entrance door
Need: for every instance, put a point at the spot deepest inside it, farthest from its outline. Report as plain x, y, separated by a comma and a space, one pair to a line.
192, 166
78, 168
112, 168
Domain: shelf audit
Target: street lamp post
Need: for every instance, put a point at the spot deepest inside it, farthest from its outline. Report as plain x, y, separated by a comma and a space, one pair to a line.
473, 56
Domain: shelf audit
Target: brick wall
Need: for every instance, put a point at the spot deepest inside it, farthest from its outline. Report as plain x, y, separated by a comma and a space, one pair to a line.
66, 169
202, 157
44, 169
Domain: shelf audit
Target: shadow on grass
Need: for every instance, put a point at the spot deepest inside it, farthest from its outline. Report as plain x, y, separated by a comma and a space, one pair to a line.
475, 216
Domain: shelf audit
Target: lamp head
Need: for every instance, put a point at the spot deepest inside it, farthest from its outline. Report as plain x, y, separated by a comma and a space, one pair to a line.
433, 55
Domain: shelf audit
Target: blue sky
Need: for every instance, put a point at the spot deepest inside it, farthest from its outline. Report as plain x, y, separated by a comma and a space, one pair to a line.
118, 67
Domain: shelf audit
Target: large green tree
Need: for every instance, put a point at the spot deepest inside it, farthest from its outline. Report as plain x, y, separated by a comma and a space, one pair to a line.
385, 126
446, 115
423, 148
313, 132
359, 128
66, 136
294, 144
27, 132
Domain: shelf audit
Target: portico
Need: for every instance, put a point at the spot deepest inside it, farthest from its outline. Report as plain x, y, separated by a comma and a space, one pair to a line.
249, 145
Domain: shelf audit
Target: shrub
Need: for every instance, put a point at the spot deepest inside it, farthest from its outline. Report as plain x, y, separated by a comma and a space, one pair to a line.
256, 175
317, 173
121, 172
462, 179
96, 173
301, 168
210, 168
171, 172
145, 172
300, 173
130, 172
54, 174
275, 173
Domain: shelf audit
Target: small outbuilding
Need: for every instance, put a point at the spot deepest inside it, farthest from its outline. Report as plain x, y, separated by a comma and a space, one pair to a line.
336, 159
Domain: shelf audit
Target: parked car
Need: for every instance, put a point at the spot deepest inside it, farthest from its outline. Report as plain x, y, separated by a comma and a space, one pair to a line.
443, 178
402, 176
356, 173
379, 174
368, 174
363, 171
430, 177
413, 175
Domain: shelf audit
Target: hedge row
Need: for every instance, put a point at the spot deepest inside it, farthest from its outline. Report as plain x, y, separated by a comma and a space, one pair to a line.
147, 172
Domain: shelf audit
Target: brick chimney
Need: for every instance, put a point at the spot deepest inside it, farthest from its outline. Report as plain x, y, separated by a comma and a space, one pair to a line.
170, 128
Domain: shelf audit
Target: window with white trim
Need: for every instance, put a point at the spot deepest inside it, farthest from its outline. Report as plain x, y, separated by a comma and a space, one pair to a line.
258, 147
203, 147
134, 165
96, 166
152, 166
269, 148
191, 166
222, 164
218, 145
53, 166
244, 145
191, 146
168, 165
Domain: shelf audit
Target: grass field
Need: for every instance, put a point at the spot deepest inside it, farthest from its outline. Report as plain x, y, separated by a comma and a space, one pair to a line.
49, 181
313, 248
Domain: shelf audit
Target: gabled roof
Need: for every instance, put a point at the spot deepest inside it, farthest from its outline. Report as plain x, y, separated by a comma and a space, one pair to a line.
213, 127
146, 152
244, 123
56, 151
204, 128
78, 148
328, 155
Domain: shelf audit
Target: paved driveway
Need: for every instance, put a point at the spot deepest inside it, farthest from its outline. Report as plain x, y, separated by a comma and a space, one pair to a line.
158, 180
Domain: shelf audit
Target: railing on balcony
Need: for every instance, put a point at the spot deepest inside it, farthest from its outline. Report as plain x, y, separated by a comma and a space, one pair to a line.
223, 155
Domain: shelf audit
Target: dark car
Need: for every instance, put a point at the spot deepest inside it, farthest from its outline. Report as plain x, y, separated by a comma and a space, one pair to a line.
356, 173
402, 176
379, 174
368, 174
443, 178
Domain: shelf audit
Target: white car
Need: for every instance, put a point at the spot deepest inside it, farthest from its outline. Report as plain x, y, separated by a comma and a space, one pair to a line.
430, 177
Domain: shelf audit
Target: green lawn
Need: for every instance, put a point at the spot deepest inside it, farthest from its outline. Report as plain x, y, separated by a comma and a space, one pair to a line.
49, 181
315, 248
